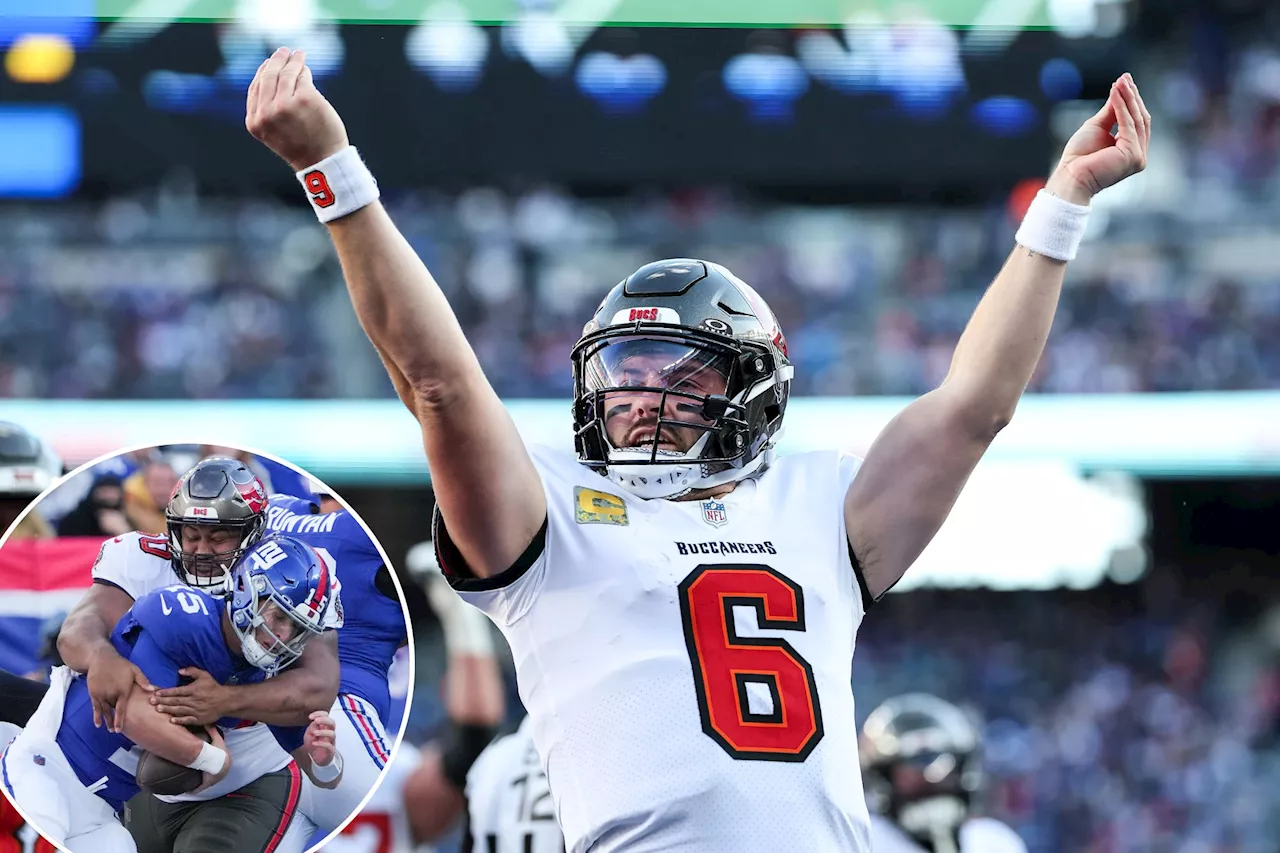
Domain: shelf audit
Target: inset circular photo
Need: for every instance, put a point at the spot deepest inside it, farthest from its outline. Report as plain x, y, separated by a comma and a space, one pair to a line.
201, 649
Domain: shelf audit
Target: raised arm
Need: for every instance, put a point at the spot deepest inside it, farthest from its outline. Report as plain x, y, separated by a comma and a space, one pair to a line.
488, 489
289, 699
916, 467
85, 645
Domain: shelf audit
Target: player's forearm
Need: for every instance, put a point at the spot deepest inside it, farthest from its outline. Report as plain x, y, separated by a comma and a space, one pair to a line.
286, 700
152, 731
83, 637
399, 304
485, 483
1001, 345
1003, 341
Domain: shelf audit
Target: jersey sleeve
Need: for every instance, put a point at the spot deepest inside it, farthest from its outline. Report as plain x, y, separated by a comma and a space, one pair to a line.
154, 661
356, 542
185, 624
295, 505
847, 466
123, 563
290, 738
507, 596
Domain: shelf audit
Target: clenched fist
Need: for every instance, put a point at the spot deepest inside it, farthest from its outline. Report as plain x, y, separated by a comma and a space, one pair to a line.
1094, 159
287, 113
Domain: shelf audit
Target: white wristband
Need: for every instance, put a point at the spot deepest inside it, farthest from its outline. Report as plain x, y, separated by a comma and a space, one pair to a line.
1053, 227
211, 759
339, 185
327, 772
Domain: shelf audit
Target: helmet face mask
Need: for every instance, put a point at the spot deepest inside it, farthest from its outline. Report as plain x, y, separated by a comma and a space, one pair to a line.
216, 514
688, 394
205, 553
281, 596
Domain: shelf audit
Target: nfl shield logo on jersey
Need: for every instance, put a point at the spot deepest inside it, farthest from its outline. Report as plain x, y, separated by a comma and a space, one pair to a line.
714, 513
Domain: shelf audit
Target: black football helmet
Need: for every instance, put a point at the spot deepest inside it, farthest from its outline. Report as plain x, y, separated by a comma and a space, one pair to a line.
217, 492
715, 377
922, 767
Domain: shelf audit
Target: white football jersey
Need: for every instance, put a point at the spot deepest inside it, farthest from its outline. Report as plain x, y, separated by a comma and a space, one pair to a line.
138, 563
977, 835
509, 808
382, 826
686, 665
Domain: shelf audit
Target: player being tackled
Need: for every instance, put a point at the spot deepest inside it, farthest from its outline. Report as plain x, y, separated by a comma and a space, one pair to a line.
71, 777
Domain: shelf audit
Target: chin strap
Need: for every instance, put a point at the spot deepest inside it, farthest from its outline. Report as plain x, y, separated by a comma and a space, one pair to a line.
676, 480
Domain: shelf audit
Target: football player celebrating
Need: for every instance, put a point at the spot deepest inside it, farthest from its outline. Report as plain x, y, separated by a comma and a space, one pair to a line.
373, 629
216, 515
71, 777
680, 604
920, 759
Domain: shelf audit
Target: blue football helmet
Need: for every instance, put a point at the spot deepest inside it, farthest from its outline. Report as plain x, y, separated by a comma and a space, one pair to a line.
282, 594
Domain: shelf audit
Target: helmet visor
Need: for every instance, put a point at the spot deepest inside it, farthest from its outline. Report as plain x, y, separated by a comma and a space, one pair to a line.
653, 392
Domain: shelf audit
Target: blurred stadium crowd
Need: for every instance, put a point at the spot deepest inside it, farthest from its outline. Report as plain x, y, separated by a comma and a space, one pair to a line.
1123, 719
175, 296
207, 306
1116, 720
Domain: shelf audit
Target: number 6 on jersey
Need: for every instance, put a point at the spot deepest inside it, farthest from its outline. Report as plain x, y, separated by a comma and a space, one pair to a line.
729, 669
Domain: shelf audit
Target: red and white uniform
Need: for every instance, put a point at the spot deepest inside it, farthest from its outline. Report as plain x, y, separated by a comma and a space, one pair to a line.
685, 664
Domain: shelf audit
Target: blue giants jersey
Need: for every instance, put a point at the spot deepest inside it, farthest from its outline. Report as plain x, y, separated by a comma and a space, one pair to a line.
163, 632
374, 621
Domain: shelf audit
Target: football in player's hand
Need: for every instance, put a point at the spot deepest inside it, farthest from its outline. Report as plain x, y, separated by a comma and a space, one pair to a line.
158, 775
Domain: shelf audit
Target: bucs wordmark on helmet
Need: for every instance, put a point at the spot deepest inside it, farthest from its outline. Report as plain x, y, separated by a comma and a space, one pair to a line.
219, 492
700, 352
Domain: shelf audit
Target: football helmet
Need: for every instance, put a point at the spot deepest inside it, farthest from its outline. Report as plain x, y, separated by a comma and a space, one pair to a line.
681, 380
219, 492
922, 766
282, 595
28, 466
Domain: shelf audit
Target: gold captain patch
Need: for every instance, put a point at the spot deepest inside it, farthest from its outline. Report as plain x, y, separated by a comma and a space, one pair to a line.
599, 507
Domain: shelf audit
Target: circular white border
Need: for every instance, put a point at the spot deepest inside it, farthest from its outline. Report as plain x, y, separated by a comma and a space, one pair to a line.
395, 579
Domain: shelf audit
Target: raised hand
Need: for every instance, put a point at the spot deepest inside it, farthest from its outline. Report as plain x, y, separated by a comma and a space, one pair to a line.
1094, 158
287, 113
